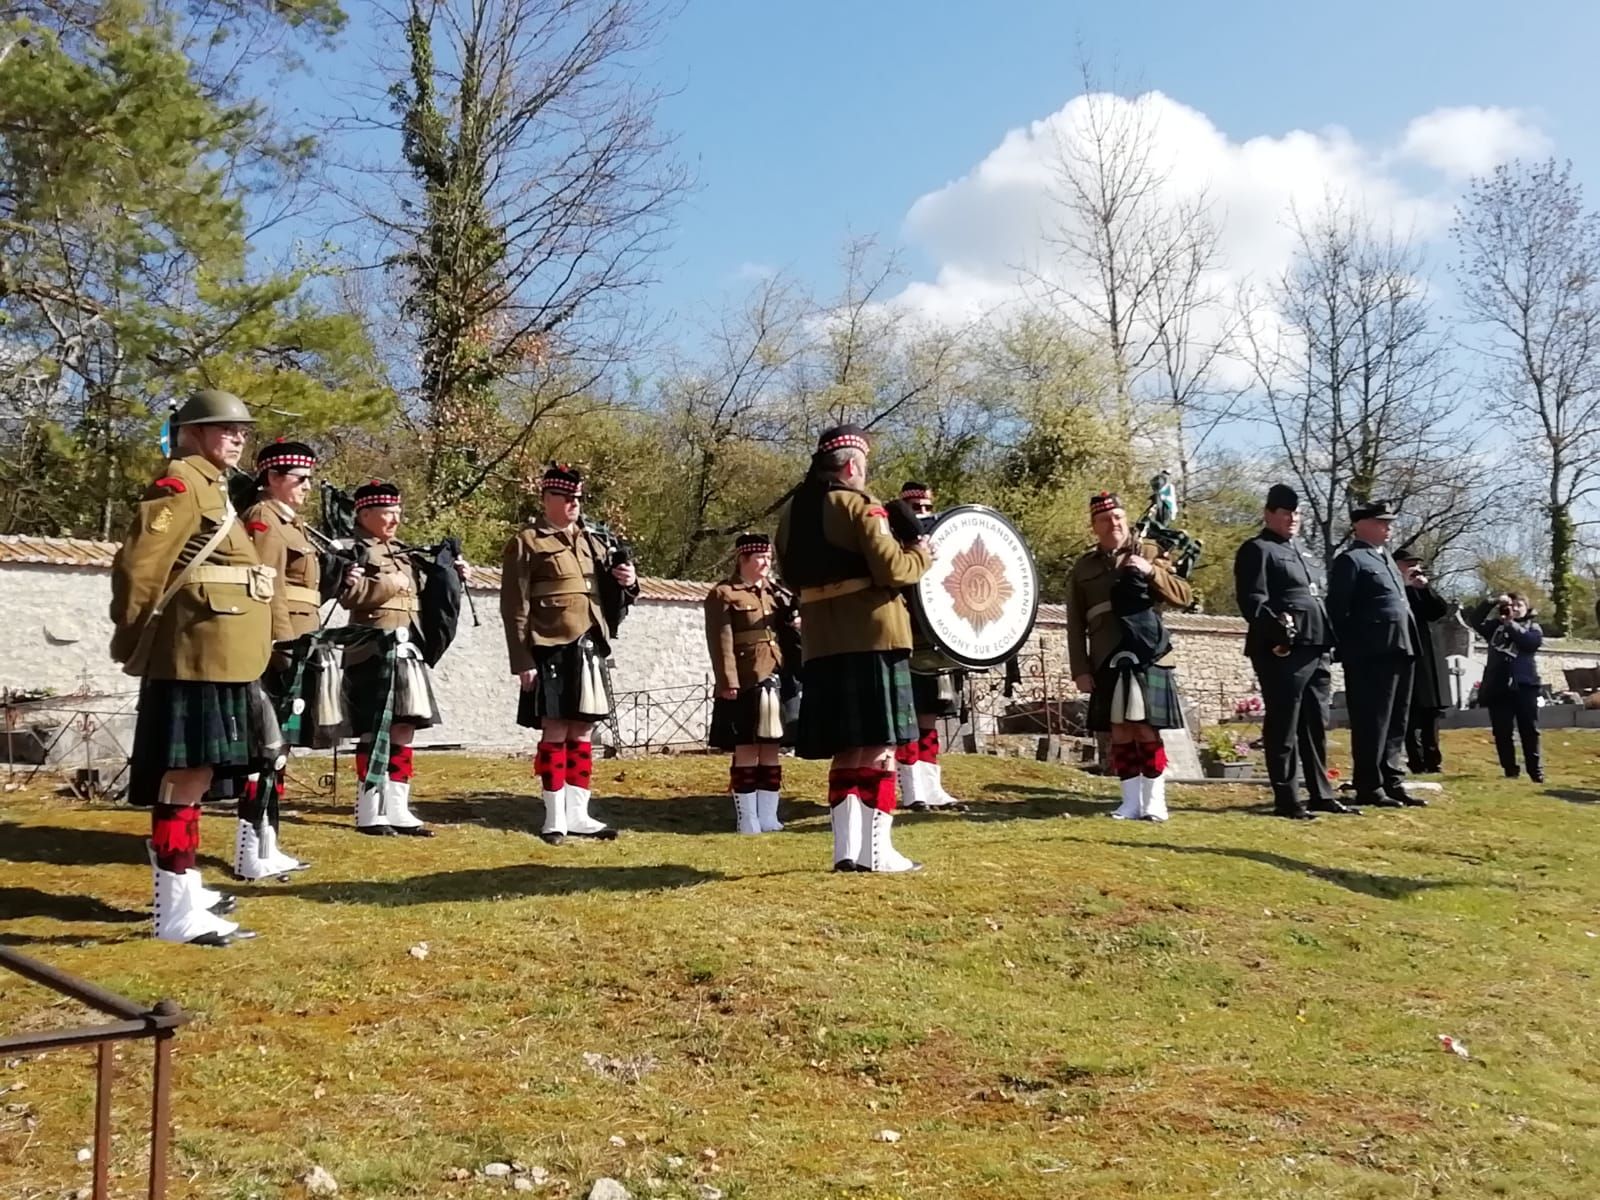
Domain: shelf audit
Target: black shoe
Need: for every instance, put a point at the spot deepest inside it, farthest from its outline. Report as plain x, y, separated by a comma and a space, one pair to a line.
1513, 772
1380, 801
412, 830
607, 834
1295, 814
846, 864
1536, 776
1414, 801
1335, 806
225, 904
376, 830
553, 839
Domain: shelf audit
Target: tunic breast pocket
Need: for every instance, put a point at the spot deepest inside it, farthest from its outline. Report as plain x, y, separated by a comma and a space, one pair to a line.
221, 599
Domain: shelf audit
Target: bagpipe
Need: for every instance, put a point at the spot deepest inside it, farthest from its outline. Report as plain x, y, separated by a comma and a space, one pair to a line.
611, 551
1180, 546
441, 589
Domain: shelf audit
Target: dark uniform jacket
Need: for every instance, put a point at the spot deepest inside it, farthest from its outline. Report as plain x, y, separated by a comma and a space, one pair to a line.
281, 541
1368, 607
1431, 684
1093, 630
742, 621
217, 628
834, 545
1273, 576
549, 590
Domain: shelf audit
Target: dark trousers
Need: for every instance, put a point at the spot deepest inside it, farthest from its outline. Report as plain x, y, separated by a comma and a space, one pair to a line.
1378, 693
1518, 706
1422, 741
1294, 728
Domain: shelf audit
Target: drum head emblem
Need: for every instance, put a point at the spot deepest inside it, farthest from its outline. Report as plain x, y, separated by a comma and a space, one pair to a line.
976, 605
978, 585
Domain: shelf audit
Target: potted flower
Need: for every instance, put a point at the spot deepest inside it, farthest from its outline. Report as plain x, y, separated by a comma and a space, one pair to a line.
1248, 708
1225, 756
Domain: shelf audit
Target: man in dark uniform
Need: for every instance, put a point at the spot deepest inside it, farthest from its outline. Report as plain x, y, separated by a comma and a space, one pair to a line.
1430, 684
836, 547
1377, 639
1288, 643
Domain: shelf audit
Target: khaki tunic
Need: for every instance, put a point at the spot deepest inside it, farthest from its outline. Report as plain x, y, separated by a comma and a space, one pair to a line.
281, 541
385, 594
865, 614
1093, 633
742, 632
218, 627
549, 590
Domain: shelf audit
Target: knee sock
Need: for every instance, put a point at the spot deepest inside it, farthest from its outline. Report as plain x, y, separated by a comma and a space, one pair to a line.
1154, 759
1126, 760
841, 783
742, 780
175, 835
906, 753
251, 800
877, 788
550, 764
580, 763
928, 746
401, 767
769, 777
363, 762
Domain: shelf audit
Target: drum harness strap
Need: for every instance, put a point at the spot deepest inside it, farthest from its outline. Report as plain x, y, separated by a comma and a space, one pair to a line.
832, 591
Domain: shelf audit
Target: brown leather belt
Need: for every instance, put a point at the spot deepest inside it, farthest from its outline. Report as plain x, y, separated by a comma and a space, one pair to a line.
296, 594
405, 604
832, 591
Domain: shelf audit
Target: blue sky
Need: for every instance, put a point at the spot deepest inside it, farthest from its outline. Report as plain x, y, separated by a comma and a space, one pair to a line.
809, 121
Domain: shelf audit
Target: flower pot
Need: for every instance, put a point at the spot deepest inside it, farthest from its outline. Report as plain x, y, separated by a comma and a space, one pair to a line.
1228, 770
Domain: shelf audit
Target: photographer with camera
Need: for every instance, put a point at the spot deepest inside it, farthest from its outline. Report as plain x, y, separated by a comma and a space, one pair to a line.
1510, 687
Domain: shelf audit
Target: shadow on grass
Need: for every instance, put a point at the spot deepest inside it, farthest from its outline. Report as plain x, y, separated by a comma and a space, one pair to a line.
64, 847
1574, 795
1033, 802
522, 879
1383, 887
17, 903
524, 813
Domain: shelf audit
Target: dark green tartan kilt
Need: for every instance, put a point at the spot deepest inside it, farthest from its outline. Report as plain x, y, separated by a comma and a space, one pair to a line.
185, 723
854, 700
364, 697
1162, 710
734, 722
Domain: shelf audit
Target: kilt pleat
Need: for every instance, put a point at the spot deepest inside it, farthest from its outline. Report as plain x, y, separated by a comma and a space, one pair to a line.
734, 722
363, 694
931, 699
854, 700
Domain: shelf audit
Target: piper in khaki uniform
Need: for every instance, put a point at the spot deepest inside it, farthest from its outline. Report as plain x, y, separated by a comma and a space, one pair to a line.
191, 603
743, 615
921, 776
558, 638
283, 474
381, 590
1120, 653
835, 546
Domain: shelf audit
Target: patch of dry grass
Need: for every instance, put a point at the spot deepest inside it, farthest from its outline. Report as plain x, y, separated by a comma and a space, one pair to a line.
1226, 1005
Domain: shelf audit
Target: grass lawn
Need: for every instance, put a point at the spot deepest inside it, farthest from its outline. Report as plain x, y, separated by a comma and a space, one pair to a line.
1060, 1005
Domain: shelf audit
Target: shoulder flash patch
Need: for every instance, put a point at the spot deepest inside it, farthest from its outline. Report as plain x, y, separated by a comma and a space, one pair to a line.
877, 511
175, 485
256, 526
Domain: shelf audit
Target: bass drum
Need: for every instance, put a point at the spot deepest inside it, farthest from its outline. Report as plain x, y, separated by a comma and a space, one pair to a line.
976, 606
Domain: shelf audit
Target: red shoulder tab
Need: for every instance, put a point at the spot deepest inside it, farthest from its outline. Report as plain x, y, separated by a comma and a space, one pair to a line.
176, 486
877, 511
256, 526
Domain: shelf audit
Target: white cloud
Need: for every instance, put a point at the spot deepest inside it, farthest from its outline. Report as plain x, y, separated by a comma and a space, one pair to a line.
987, 229
1463, 142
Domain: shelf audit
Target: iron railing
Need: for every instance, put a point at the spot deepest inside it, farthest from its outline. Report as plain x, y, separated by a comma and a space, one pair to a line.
133, 1022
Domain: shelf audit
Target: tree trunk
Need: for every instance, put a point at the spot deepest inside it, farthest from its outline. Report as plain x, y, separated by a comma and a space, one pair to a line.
1561, 581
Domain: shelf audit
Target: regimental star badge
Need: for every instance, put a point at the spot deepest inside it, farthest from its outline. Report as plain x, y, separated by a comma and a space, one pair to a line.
978, 585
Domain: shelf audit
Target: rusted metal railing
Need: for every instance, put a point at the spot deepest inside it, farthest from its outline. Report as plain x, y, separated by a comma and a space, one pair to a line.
133, 1022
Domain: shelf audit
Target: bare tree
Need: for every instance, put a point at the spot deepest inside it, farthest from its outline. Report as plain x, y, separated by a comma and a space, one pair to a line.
537, 190
1132, 262
1530, 274
1358, 386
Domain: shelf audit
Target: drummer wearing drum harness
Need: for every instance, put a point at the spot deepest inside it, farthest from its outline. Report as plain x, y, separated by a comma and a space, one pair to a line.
834, 544
934, 694
1121, 655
